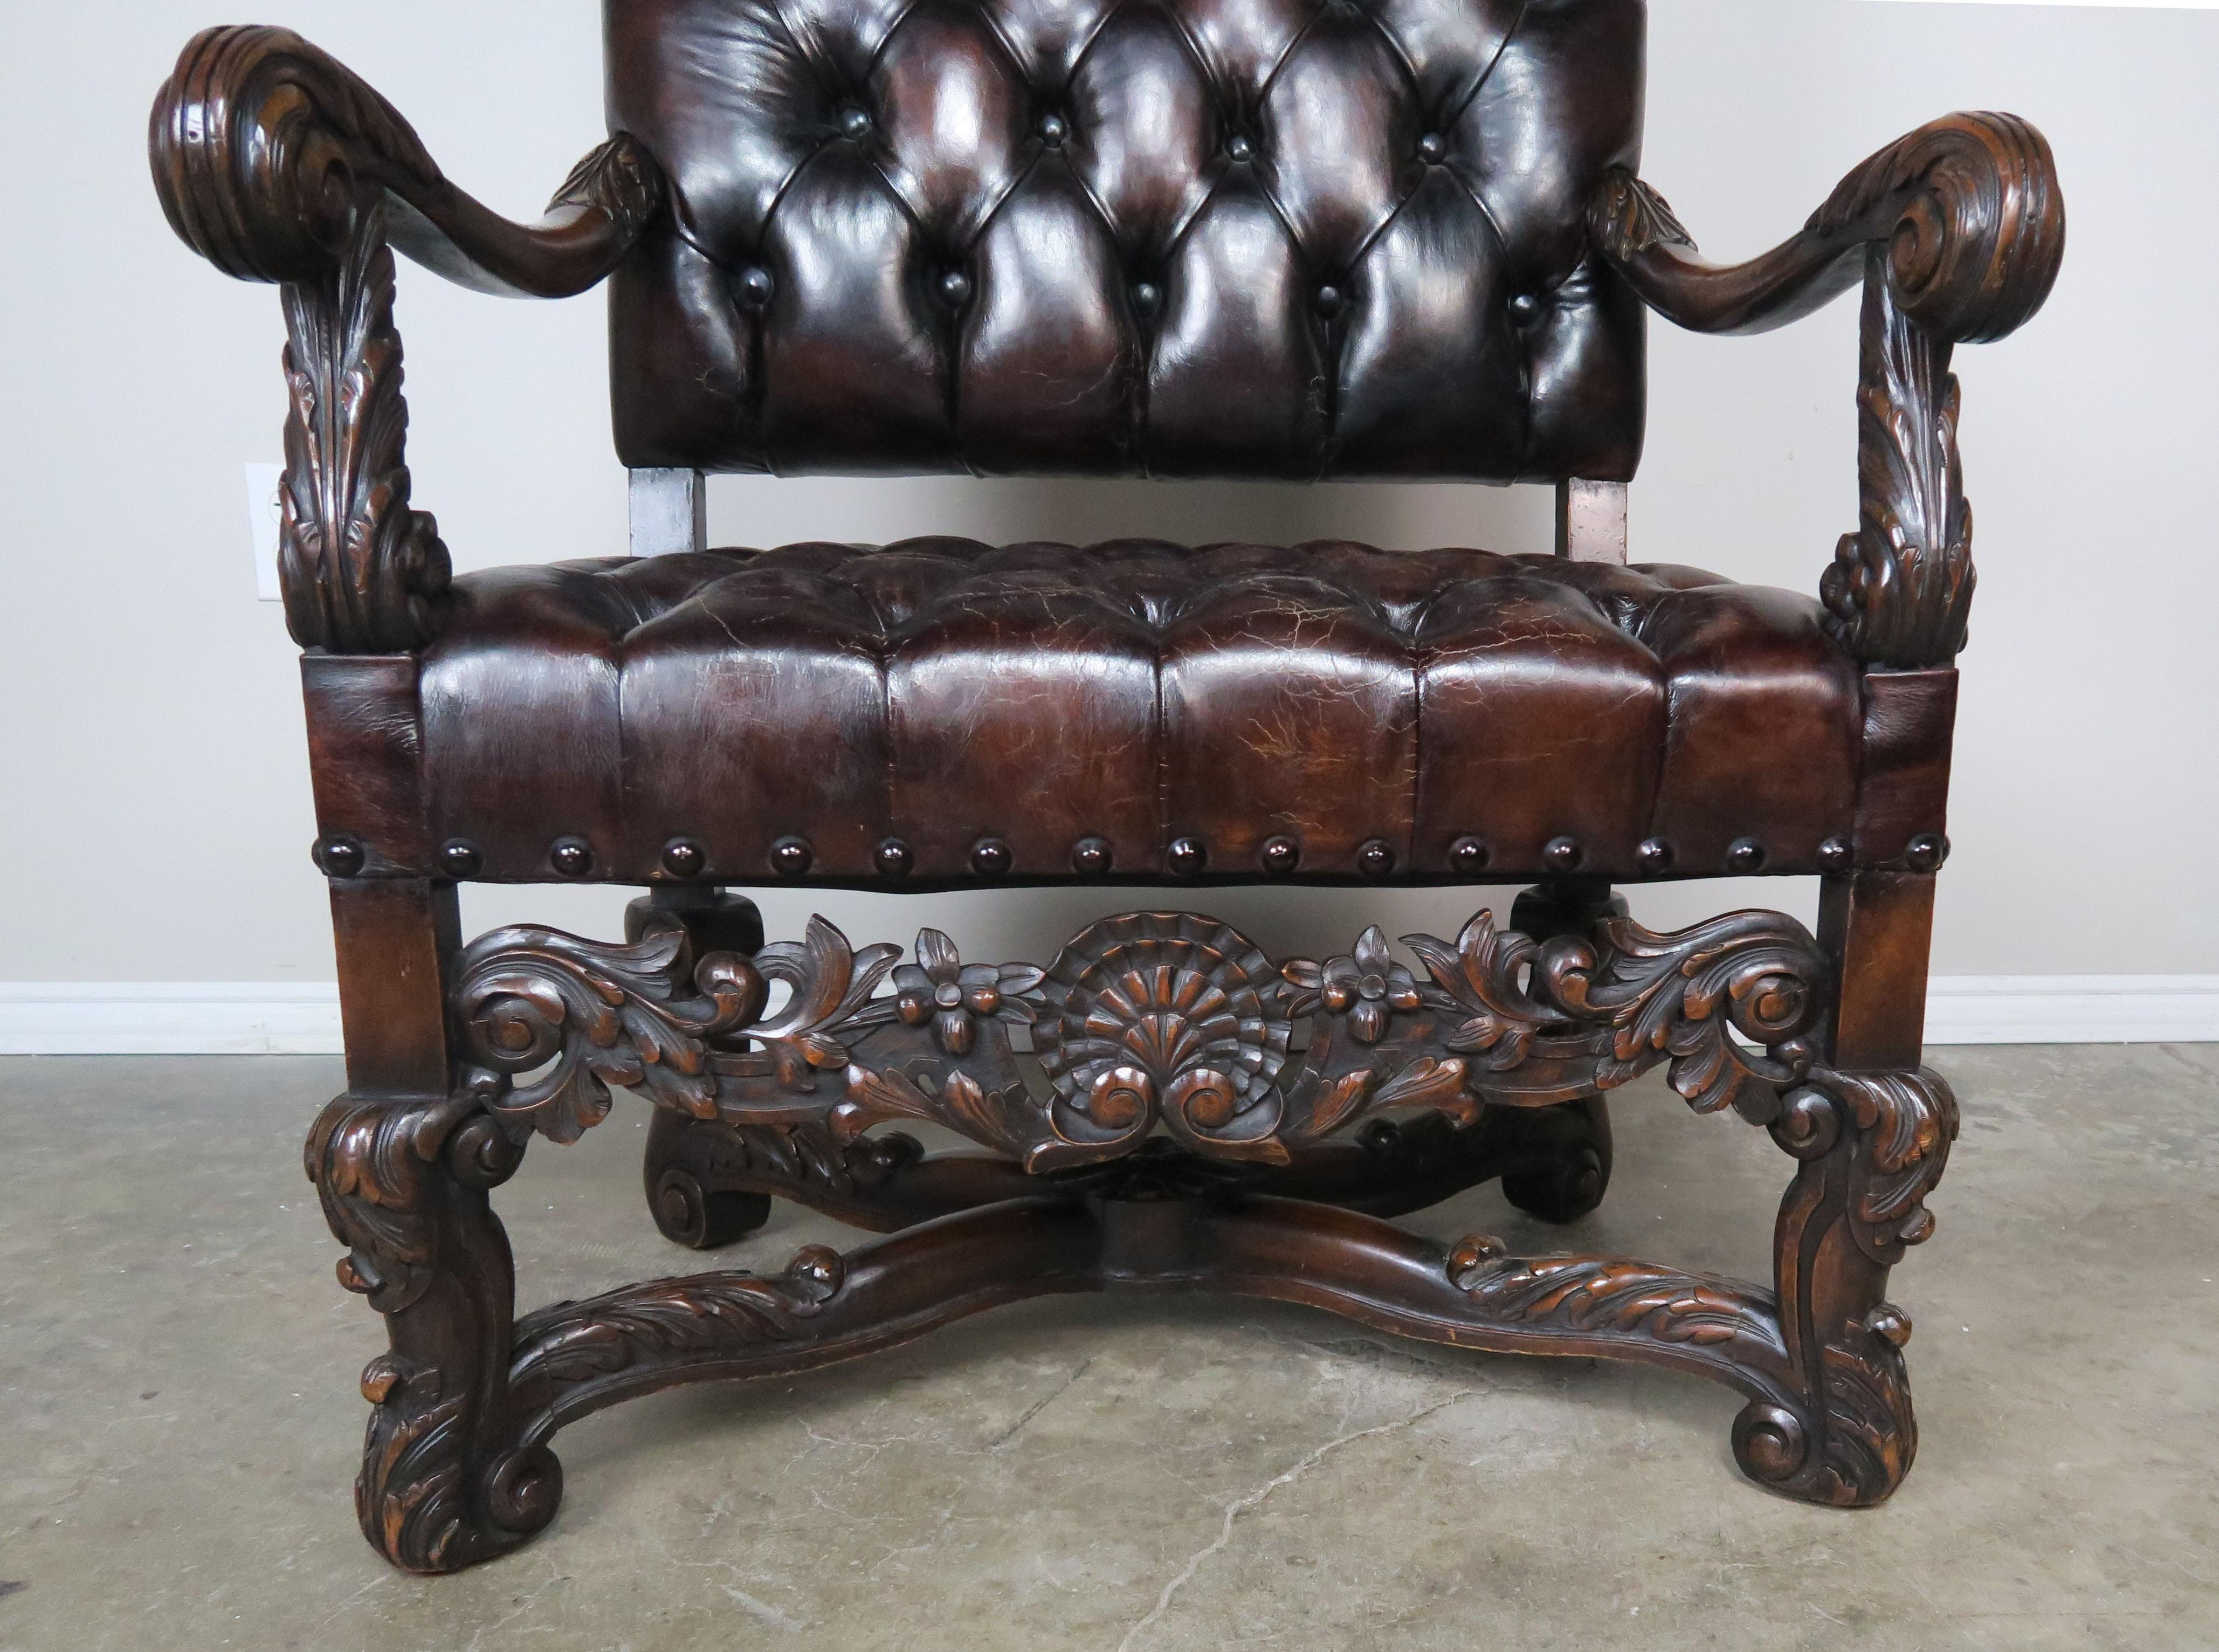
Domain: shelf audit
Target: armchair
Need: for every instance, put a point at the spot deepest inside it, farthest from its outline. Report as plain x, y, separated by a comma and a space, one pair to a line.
1185, 240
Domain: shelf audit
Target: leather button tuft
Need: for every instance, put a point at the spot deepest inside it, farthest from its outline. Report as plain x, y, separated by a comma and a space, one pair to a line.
955, 289
854, 124
1654, 855
460, 858
1834, 853
1432, 149
1744, 855
340, 854
1279, 855
1053, 130
791, 857
1525, 309
1186, 856
571, 856
756, 286
684, 858
1926, 851
1562, 855
1467, 857
1376, 859
991, 858
1092, 857
1328, 301
1147, 299
1239, 147
894, 859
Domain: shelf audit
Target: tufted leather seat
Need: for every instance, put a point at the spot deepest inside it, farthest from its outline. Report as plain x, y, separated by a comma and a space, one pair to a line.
942, 692
1164, 237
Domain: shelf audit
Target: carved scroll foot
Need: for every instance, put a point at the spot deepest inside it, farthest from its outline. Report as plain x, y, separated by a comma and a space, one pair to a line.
692, 1204
1563, 1165
445, 1484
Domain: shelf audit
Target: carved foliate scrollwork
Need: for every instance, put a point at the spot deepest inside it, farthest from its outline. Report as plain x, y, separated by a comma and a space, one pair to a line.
1903, 1125
1628, 218
621, 178
1611, 1295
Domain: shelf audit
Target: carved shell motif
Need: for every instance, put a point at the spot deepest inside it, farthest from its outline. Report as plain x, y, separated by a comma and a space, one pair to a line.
1165, 1015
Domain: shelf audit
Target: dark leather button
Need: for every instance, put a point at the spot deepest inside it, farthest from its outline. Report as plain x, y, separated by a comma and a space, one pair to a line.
460, 858
339, 854
755, 285
1328, 301
1376, 859
991, 858
1834, 853
1562, 855
1432, 149
1239, 147
1279, 855
854, 124
1654, 855
1053, 130
571, 856
1926, 851
791, 857
1467, 857
894, 859
1186, 857
1744, 855
683, 857
1092, 857
955, 289
1147, 299
1525, 309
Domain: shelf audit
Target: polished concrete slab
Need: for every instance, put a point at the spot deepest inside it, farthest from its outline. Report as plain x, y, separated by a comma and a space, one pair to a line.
179, 1421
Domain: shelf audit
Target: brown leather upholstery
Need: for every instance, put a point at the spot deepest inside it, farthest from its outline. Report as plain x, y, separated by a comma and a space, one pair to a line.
1220, 237
943, 693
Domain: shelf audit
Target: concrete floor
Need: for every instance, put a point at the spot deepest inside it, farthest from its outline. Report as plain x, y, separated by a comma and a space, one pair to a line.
179, 1422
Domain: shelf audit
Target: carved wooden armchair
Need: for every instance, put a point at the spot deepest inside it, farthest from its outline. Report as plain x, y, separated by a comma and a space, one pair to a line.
1182, 238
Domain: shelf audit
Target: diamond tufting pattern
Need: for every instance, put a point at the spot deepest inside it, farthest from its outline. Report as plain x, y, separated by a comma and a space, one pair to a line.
1271, 238
944, 693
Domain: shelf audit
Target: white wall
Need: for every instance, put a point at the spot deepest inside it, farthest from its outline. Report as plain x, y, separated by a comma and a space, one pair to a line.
157, 813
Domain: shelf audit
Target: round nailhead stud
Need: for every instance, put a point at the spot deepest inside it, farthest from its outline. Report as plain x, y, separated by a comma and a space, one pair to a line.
1239, 147
853, 124
1654, 855
339, 854
1053, 130
791, 857
755, 287
1524, 308
1376, 859
1834, 853
1148, 298
683, 857
894, 859
1328, 301
991, 858
1092, 857
460, 858
572, 857
1744, 855
955, 289
1562, 855
1926, 851
1467, 857
1186, 856
1432, 149
1279, 855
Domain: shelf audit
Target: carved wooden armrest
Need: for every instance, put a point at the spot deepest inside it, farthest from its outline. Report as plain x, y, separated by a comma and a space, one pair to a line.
1957, 231
277, 163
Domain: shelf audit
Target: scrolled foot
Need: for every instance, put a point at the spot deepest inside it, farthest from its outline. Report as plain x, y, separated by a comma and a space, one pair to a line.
1570, 1169
1858, 1451
420, 1502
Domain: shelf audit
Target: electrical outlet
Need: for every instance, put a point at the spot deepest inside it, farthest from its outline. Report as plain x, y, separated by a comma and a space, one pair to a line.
263, 515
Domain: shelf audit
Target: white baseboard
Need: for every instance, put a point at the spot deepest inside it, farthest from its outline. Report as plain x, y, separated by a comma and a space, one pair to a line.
273, 1018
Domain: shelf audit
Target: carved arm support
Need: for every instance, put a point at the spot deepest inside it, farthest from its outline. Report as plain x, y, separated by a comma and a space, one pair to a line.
277, 163
1957, 231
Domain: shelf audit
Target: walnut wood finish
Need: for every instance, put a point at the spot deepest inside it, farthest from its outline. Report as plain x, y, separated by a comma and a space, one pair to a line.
1021, 241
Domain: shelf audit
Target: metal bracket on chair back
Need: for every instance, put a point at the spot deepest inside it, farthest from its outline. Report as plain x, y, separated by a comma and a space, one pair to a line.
669, 512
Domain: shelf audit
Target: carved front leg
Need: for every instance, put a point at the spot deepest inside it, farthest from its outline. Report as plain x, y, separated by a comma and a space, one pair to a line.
1871, 1145
404, 1184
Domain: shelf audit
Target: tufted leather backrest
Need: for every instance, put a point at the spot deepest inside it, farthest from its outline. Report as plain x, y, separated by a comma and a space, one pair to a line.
1175, 237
